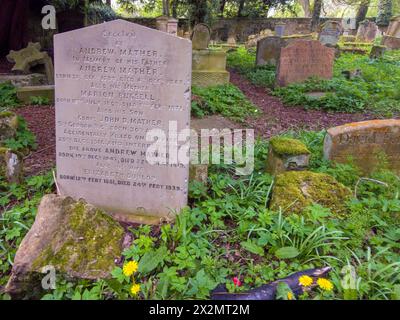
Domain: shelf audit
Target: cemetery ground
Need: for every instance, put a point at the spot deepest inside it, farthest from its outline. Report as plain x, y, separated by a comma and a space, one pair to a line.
228, 234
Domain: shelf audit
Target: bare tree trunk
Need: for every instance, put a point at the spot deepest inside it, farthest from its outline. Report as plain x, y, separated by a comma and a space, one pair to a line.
362, 12
316, 15
305, 4
166, 8
240, 10
222, 8
174, 6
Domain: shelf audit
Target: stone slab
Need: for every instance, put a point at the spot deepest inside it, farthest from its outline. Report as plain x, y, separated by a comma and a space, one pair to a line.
303, 59
116, 83
26, 93
365, 142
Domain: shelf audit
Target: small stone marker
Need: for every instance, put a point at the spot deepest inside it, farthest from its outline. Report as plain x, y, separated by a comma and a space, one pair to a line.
377, 52
365, 142
115, 82
367, 31
280, 29
330, 33
11, 165
30, 57
287, 154
201, 36
303, 59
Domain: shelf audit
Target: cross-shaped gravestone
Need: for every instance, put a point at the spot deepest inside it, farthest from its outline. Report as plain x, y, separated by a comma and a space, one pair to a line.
29, 57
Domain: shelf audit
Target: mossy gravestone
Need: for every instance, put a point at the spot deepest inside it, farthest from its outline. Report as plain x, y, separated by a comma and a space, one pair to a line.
370, 145
201, 36
73, 237
286, 154
116, 82
294, 191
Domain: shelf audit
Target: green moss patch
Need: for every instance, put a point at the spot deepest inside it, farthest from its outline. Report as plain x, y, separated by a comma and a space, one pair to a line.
295, 190
86, 245
288, 146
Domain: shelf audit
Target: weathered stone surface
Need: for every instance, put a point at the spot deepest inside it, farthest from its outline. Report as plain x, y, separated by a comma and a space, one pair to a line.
29, 57
8, 125
209, 68
199, 173
25, 94
23, 80
293, 191
394, 27
201, 36
269, 48
365, 144
75, 238
167, 24
377, 52
11, 165
254, 38
109, 113
287, 154
367, 31
303, 59
330, 33
348, 38
391, 43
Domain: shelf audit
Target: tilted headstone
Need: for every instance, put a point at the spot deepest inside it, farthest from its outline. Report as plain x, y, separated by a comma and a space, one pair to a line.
29, 57
303, 59
201, 36
367, 31
116, 83
365, 144
330, 33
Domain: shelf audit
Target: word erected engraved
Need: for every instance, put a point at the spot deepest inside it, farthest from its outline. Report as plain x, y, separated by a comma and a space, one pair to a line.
115, 82
303, 59
368, 144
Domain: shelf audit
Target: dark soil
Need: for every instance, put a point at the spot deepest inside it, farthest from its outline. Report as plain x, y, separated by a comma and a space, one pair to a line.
277, 118
41, 121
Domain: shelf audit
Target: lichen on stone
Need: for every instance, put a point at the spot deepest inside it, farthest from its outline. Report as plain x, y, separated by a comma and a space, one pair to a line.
86, 245
288, 146
295, 190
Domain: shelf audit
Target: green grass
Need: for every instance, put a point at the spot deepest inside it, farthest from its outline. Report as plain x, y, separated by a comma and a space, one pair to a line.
376, 90
228, 231
226, 100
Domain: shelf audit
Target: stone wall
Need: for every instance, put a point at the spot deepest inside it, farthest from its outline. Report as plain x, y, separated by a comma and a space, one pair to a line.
243, 27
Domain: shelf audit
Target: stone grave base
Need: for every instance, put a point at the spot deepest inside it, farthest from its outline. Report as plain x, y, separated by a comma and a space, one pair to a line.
24, 80
209, 78
25, 93
392, 43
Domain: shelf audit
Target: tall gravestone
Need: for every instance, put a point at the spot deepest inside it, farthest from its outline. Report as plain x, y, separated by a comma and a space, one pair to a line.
303, 59
201, 36
365, 143
116, 82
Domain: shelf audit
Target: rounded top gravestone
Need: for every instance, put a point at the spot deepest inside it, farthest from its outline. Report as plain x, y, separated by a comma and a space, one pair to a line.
201, 36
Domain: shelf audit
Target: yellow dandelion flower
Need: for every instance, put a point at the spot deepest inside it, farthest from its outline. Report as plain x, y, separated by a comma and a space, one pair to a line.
135, 289
305, 281
130, 268
325, 284
290, 296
